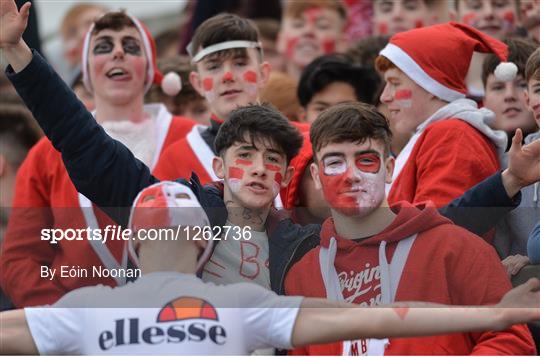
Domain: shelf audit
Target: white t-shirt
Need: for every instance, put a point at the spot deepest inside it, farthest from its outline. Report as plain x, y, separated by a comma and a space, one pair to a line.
143, 317
236, 260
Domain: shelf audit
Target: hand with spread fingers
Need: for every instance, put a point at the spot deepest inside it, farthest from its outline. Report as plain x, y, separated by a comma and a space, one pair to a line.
523, 165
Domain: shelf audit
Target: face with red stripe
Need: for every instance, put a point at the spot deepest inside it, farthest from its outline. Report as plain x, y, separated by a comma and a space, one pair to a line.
317, 31
497, 18
352, 176
254, 173
408, 103
393, 16
231, 80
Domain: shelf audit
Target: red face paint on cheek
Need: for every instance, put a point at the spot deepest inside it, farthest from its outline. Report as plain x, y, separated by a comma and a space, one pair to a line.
236, 173
329, 46
403, 97
419, 23
370, 163
469, 18
509, 17
382, 28
272, 167
208, 84
250, 77
243, 162
227, 76
291, 45
277, 183
333, 186
403, 94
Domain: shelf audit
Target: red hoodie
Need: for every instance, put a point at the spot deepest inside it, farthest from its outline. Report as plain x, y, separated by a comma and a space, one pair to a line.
445, 264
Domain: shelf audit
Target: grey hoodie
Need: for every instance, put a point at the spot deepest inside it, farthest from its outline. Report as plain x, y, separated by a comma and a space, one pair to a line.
513, 232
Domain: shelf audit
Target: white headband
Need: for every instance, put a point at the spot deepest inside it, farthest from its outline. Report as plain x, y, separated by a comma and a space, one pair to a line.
220, 47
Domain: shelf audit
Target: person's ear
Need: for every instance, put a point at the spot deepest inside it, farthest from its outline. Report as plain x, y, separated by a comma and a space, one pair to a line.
195, 80
389, 164
265, 68
289, 173
314, 170
219, 167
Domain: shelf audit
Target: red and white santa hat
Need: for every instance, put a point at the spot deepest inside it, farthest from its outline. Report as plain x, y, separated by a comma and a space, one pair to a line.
437, 57
168, 204
171, 83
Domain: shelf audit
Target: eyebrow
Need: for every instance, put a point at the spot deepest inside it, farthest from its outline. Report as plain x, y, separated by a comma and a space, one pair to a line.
340, 154
109, 38
251, 147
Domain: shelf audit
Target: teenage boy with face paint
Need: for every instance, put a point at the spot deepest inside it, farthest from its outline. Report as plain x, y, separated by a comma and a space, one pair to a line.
119, 66
310, 29
405, 251
496, 18
230, 73
451, 147
394, 16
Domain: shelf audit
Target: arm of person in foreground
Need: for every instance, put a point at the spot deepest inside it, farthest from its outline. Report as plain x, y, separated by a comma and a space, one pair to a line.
480, 208
322, 321
101, 168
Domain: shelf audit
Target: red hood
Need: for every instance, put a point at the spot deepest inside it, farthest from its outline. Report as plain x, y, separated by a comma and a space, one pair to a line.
300, 163
410, 219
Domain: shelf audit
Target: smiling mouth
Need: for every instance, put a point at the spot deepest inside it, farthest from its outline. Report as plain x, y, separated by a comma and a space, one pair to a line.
117, 73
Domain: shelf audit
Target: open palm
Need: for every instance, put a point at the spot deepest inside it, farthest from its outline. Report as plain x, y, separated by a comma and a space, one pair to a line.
524, 161
12, 22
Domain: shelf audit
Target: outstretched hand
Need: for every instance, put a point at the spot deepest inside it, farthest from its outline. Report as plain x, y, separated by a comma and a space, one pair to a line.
521, 304
523, 164
12, 22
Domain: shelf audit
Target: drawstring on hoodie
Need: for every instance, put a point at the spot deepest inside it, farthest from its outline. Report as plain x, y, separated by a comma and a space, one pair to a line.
536, 187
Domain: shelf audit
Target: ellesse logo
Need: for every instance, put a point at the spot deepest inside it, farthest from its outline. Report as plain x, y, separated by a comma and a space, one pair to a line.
180, 320
187, 308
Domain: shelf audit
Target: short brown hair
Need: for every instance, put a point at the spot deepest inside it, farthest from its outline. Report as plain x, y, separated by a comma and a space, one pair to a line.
532, 68
296, 8
113, 20
365, 51
222, 28
350, 122
519, 51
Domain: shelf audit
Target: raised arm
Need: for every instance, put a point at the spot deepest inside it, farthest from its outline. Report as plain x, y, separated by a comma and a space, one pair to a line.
101, 168
322, 321
480, 208
15, 336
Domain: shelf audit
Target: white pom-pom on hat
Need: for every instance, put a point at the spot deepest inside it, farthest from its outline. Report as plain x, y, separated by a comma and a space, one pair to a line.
506, 71
171, 84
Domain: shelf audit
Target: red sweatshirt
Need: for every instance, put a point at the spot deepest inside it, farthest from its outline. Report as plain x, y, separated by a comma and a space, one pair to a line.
46, 198
445, 264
